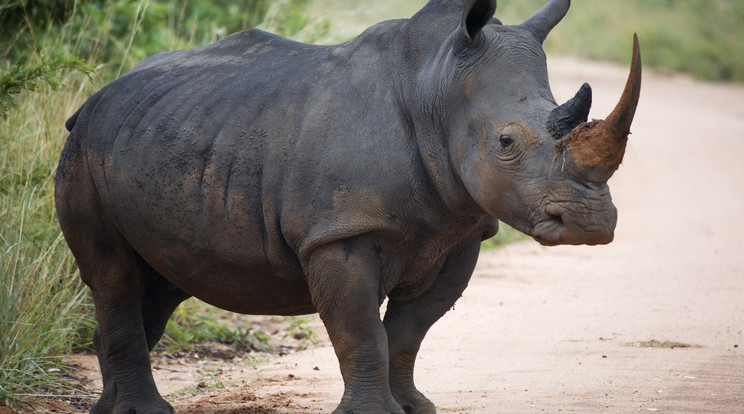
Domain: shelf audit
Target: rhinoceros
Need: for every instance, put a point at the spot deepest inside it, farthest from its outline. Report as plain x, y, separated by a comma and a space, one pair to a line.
266, 176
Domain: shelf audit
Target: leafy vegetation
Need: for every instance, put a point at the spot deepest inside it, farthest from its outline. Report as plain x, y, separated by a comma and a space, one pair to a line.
506, 235
195, 322
32, 77
55, 53
300, 329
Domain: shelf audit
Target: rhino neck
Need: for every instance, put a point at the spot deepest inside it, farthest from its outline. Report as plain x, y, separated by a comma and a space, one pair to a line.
425, 40
447, 184
408, 52
440, 175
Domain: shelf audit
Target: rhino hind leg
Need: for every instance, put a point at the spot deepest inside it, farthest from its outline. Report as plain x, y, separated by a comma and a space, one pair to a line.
406, 324
118, 279
159, 299
121, 342
107, 400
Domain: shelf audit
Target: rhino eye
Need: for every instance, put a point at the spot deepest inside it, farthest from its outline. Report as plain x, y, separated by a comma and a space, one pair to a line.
505, 141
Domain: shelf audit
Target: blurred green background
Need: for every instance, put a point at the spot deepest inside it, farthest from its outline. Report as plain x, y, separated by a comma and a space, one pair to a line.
55, 53
702, 38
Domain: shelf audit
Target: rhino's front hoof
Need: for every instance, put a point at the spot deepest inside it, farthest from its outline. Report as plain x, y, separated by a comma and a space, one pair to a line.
390, 407
416, 403
102, 406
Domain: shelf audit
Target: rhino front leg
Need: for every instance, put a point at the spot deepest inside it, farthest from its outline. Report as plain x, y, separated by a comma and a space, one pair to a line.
408, 322
344, 280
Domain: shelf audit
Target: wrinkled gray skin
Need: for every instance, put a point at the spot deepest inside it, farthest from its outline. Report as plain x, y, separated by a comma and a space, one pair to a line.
266, 176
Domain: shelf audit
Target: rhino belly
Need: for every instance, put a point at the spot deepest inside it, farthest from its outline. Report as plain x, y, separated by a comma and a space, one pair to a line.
228, 267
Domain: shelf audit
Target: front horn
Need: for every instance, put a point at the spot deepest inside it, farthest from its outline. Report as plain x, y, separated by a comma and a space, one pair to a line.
597, 148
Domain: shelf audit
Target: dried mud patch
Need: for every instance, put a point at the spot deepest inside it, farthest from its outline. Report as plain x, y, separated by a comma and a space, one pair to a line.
653, 343
240, 401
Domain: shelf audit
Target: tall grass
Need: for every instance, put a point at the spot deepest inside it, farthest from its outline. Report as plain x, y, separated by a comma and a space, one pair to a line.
43, 306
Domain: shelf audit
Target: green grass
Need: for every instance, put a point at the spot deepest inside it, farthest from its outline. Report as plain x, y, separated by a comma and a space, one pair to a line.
195, 322
43, 307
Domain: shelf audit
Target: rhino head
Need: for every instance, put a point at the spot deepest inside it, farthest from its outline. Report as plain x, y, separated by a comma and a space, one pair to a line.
539, 167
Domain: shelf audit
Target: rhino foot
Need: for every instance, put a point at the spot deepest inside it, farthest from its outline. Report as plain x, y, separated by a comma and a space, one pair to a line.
104, 405
415, 403
390, 407
153, 406
160, 407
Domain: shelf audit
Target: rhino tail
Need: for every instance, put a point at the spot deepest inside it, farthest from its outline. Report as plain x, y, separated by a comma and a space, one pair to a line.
70, 123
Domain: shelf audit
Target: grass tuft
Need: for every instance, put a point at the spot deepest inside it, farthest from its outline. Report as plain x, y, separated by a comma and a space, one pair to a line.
195, 322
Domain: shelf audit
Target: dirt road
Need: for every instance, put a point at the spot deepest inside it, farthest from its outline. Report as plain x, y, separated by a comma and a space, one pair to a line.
650, 323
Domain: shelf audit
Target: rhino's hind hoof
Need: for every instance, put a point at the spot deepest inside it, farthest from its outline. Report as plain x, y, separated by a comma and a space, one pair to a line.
101, 407
153, 407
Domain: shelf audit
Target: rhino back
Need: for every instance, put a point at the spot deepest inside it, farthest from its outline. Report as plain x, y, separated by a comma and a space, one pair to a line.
251, 152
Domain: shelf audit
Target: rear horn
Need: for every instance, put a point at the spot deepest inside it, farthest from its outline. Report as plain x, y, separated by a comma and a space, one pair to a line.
571, 114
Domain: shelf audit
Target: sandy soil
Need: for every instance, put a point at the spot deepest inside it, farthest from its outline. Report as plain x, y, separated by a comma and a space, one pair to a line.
650, 323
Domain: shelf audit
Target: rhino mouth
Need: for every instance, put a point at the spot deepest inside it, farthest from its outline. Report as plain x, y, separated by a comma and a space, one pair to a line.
549, 231
560, 227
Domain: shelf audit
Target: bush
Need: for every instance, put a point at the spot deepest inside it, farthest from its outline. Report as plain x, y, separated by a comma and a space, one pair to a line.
32, 77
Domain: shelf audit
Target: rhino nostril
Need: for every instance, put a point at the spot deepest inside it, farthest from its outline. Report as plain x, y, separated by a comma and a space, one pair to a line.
554, 215
556, 218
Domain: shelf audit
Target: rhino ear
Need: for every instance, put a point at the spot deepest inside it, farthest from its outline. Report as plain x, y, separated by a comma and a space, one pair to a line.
544, 20
476, 15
